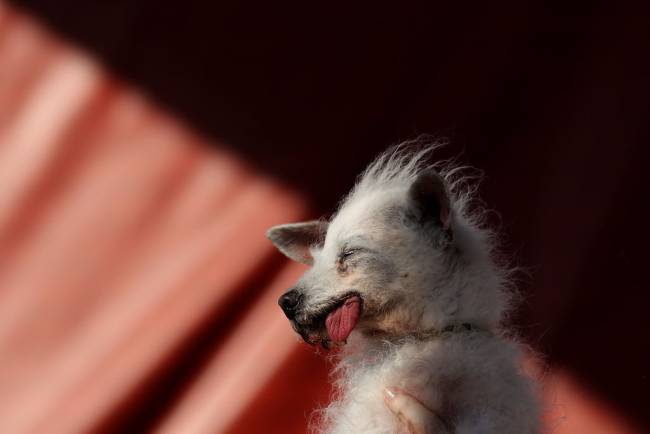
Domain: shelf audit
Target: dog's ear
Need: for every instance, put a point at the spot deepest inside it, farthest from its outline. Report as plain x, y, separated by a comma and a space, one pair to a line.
431, 200
295, 239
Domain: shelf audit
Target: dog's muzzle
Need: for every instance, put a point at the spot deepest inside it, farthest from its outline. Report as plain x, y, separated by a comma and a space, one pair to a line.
331, 324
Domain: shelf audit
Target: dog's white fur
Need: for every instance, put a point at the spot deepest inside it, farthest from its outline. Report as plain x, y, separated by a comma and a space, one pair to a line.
418, 280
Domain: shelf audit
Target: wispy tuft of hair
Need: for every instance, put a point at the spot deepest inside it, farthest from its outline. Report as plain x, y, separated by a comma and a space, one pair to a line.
397, 167
401, 164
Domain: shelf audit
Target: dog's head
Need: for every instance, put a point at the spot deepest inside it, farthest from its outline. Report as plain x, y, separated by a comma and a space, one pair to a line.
384, 263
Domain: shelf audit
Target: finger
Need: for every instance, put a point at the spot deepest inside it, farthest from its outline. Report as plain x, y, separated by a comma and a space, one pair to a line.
417, 418
407, 409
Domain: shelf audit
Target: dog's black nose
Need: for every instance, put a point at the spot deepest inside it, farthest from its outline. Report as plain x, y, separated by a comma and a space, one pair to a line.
289, 302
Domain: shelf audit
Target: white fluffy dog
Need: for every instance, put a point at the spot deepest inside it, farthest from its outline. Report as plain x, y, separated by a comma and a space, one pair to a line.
406, 276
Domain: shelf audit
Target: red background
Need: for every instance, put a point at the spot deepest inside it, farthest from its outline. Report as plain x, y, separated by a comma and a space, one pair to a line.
157, 156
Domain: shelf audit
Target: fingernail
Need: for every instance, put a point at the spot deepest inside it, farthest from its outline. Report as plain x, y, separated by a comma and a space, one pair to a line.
389, 393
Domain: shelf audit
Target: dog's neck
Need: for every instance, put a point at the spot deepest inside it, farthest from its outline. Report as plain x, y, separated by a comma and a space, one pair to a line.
369, 347
431, 333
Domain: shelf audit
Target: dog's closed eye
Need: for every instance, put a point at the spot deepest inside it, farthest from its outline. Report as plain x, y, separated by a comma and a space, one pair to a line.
347, 253
344, 256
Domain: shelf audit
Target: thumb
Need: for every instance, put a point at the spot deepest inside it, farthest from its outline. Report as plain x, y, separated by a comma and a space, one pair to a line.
417, 418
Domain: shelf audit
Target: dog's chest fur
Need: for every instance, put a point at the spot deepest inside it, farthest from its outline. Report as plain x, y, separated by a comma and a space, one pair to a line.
454, 376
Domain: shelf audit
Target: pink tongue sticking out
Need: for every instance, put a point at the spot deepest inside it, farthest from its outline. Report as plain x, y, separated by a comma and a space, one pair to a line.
342, 320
